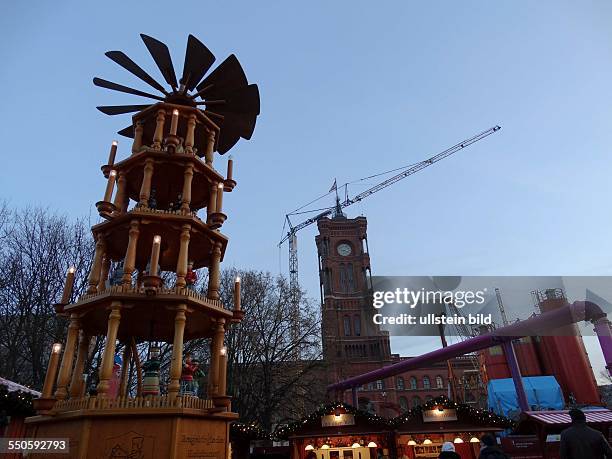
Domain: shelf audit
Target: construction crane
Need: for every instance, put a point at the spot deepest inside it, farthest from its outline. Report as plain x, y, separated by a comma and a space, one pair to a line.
291, 235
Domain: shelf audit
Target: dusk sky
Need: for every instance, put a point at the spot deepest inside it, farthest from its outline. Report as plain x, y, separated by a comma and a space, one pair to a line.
349, 89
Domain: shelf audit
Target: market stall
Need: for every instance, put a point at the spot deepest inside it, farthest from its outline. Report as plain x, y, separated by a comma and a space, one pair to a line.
421, 431
339, 431
546, 427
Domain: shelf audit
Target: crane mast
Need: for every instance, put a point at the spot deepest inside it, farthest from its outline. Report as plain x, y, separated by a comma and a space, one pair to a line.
291, 235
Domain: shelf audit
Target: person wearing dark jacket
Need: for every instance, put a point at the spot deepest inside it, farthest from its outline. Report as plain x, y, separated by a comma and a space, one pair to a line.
489, 449
580, 441
448, 451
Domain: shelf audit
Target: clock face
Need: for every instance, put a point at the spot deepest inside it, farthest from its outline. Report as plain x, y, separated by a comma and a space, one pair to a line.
344, 250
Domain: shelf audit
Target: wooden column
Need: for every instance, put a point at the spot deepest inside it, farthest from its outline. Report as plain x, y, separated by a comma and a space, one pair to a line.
120, 196
158, 136
64, 373
212, 201
210, 147
104, 273
96, 266
215, 357
130, 254
189, 136
76, 384
127, 356
108, 356
137, 144
183, 257
145, 187
214, 275
176, 365
187, 179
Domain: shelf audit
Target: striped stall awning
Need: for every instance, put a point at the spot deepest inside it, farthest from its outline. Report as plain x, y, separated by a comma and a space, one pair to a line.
562, 417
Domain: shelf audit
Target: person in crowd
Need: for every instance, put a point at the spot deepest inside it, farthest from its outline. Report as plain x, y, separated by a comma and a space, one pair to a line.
489, 448
580, 441
448, 451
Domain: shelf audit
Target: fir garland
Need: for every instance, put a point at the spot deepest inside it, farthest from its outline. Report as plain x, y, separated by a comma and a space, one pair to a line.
16, 403
464, 411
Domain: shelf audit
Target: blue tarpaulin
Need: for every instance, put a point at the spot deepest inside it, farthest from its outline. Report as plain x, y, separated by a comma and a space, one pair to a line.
543, 393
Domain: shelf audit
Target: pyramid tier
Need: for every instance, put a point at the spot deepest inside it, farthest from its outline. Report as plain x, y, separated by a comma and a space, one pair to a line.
168, 177
148, 318
169, 226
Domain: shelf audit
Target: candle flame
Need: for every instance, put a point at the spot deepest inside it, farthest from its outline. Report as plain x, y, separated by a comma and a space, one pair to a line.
115, 143
175, 112
223, 350
157, 239
72, 269
237, 279
220, 186
57, 347
113, 173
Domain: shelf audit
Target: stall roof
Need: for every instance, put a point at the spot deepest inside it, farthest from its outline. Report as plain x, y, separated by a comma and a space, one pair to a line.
13, 386
562, 416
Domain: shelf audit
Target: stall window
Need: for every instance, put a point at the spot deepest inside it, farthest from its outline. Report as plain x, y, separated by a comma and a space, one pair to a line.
426, 383
400, 383
439, 382
413, 383
403, 403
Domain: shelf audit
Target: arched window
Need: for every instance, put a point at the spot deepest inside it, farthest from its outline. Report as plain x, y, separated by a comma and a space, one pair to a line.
413, 383
403, 403
439, 382
400, 383
416, 401
347, 326
342, 278
357, 325
426, 383
380, 384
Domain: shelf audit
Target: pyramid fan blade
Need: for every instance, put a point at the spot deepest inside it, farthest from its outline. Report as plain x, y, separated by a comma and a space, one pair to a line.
161, 55
117, 87
227, 140
242, 100
120, 109
225, 78
198, 59
127, 132
241, 123
124, 61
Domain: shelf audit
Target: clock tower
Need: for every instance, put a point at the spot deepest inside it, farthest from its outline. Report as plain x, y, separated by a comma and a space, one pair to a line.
352, 343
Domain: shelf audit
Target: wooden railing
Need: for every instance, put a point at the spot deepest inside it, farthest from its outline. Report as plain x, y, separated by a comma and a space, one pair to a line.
161, 291
119, 403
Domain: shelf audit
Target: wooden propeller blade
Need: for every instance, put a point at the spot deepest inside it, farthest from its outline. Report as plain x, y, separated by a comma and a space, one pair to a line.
161, 55
124, 61
121, 109
117, 87
198, 59
127, 132
227, 77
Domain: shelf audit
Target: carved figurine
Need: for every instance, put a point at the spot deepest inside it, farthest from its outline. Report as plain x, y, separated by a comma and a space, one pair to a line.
191, 277
150, 381
190, 367
116, 275
179, 202
152, 203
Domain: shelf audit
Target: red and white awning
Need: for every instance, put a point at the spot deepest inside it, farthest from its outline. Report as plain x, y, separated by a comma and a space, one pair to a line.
562, 417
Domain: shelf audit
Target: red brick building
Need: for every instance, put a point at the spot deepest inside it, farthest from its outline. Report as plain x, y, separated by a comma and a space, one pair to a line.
353, 344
